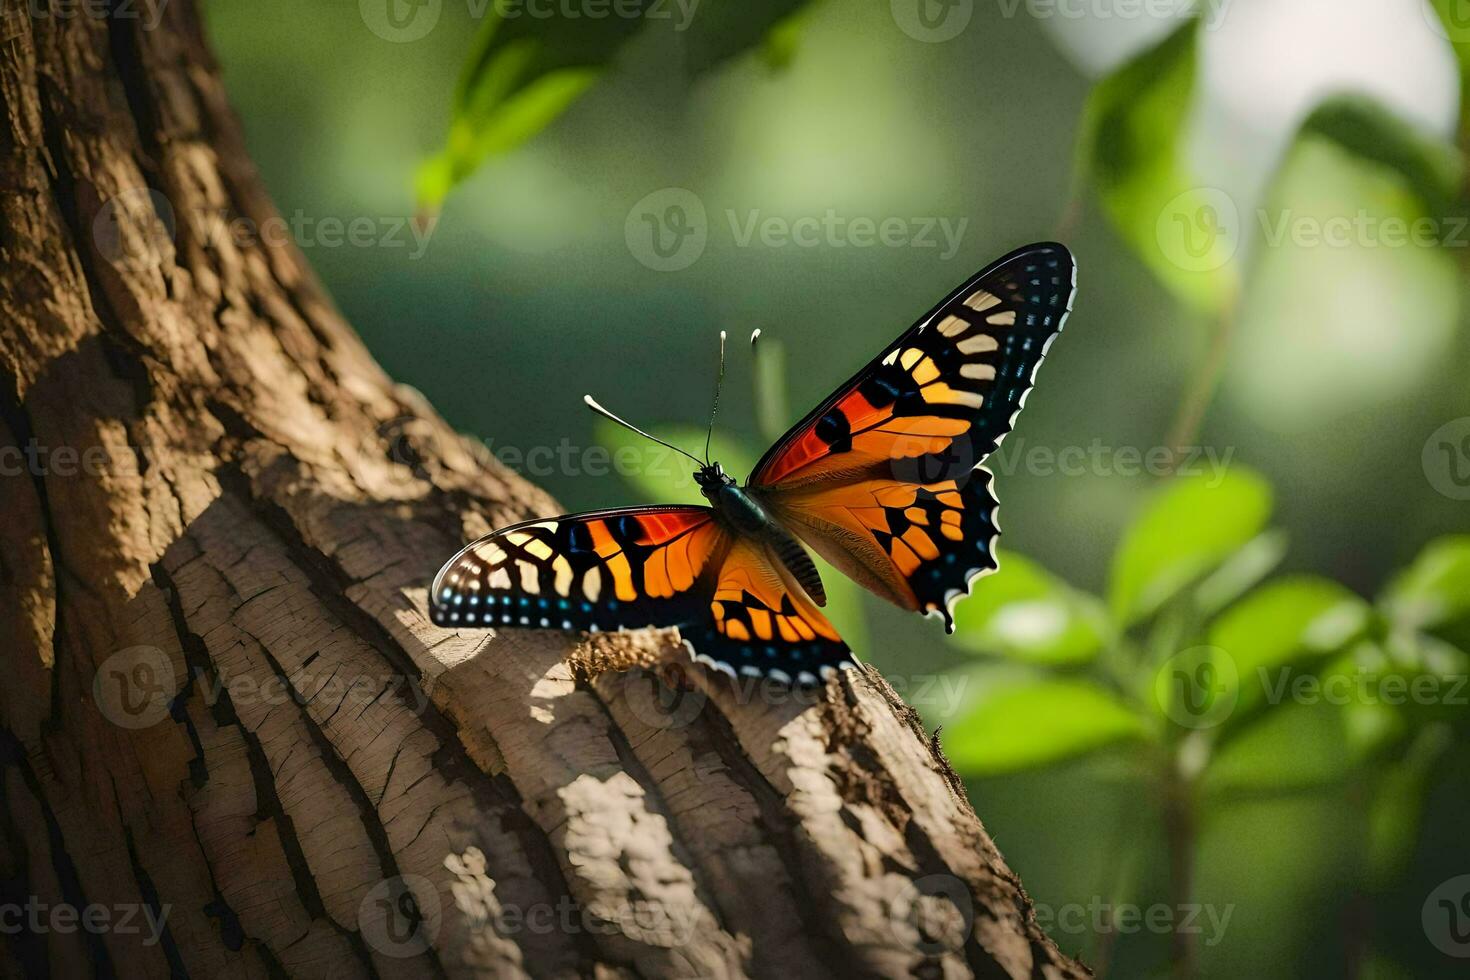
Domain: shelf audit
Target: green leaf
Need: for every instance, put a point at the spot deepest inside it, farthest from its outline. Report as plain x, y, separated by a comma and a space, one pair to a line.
1435, 590
1364, 127
1028, 722
1292, 750
525, 71
1190, 526
1240, 572
1397, 804
1026, 613
1284, 625
660, 475
722, 30
1132, 146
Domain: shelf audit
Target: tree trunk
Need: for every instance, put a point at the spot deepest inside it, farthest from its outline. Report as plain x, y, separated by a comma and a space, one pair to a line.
234, 745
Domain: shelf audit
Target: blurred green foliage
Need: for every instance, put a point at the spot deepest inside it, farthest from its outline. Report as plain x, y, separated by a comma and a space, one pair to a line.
1191, 689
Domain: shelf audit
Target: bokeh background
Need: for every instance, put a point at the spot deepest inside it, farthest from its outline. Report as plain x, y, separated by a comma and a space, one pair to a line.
1268, 205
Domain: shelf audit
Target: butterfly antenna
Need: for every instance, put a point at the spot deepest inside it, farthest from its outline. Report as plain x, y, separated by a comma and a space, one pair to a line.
719, 383
592, 404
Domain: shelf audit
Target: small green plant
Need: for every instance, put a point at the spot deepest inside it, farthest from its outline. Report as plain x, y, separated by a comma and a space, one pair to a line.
1214, 681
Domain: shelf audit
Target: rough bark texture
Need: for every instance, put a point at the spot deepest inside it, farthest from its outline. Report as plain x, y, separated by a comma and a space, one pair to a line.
223, 703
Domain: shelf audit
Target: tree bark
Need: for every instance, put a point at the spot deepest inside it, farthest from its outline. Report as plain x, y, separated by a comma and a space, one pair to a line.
231, 735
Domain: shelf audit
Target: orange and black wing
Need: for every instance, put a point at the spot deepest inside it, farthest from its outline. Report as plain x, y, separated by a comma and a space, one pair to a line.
883, 478
605, 570
760, 622
732, 600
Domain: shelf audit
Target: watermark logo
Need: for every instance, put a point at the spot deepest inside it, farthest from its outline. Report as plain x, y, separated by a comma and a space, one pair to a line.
1098, 917
932, 21
149, 13
127, 919
1364, 687
400, 21
667, 230
401, 917
1199, 230
659, 704
939, 910
1446, 459
135, 230
1362, 229
915, 462
1446, 917
662, 704
834, 230
1198, 688
1450, 19
134, 687
38, 459
1016, 455
1210, 12
307, 231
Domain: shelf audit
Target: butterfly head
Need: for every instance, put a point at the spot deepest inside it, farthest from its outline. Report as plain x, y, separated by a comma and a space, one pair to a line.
711, 478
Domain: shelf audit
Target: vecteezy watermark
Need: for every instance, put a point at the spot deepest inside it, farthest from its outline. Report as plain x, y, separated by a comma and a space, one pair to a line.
663, 705
1364, 687
137, 230
403, 21
1361, 229
1198, 688
934, 914
1099, 917
125, 919
401, 916
326, 231
1097, 458
149, 13
934, 21
1015, 455
568, 459
37, 459
1449, 19
1446, 917
668, 230
667, 926
136, 688
1446, 459
1199, 230
657, 924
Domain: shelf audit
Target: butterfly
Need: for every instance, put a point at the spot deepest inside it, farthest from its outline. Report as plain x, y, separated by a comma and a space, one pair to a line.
882, 479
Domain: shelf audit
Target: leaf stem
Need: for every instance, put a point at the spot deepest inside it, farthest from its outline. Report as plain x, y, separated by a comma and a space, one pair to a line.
1201, 390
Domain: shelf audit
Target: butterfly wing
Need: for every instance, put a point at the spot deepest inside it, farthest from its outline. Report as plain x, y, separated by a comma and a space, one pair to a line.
761, 622
733, 602
883, 478
629, 567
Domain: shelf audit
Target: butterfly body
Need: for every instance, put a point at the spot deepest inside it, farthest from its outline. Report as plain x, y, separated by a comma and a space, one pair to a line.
882, 479
741, 509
